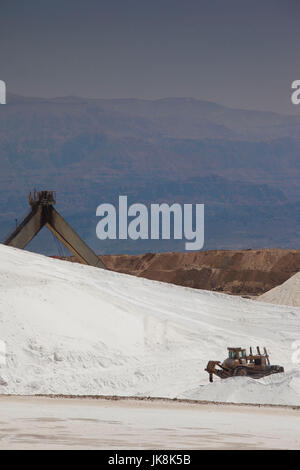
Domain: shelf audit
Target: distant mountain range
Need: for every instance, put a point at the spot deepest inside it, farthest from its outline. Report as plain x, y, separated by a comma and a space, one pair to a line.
244, 165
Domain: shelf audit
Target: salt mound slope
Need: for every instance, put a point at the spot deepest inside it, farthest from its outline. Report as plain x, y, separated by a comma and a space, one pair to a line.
287, 293
74, 329
273, 389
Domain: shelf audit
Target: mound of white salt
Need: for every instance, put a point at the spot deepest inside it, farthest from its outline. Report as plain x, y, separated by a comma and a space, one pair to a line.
287, 293
72, 329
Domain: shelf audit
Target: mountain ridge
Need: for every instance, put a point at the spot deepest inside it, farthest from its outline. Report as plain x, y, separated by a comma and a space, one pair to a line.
245, 169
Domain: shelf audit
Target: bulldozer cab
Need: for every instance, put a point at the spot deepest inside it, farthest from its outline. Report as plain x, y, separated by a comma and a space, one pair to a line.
237, 353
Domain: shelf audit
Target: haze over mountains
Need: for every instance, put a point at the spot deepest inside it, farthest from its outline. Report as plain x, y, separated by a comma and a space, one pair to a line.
244, 165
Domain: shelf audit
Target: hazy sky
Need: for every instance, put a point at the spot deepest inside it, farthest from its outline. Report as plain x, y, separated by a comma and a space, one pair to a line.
239, 53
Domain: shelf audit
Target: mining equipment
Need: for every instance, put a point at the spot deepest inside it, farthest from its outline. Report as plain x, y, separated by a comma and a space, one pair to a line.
238, 363
42, 214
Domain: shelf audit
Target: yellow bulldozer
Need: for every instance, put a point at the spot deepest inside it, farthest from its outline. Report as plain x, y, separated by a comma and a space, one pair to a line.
238, 363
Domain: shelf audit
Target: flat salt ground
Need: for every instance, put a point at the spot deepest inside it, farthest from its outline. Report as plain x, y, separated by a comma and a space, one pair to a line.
73, 329
287, 293
40, 423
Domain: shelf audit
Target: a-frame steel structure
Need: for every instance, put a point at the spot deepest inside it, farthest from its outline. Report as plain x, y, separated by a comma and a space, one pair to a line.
43, 214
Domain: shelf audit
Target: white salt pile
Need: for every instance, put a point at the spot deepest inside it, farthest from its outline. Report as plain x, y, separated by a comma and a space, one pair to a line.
73, 329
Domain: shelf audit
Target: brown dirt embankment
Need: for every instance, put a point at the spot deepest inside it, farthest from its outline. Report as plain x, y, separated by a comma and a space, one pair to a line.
243, 272
239, 272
